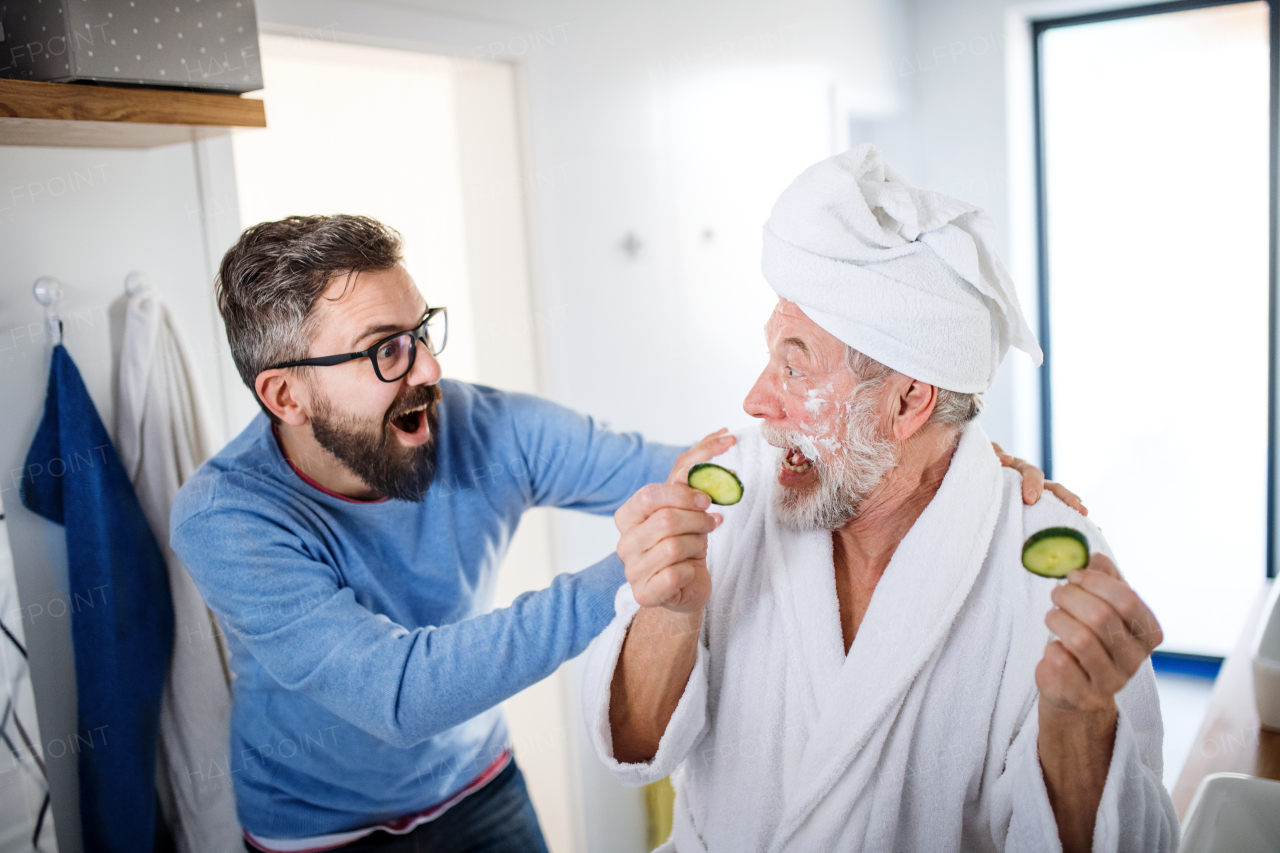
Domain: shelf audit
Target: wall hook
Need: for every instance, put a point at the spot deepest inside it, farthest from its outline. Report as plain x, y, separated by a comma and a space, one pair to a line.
632, 244
48, 292
134, 282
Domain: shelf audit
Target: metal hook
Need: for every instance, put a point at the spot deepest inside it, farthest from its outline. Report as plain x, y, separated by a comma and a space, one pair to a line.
134, 282
48, 292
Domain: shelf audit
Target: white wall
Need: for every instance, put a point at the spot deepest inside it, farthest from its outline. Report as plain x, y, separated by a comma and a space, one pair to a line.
951, 136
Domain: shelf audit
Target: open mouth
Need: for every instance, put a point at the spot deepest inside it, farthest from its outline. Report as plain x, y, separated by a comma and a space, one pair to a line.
412, 424
796, 462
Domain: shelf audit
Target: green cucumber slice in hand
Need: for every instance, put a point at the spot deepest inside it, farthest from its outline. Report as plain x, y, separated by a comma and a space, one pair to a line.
719, 484
1055, 552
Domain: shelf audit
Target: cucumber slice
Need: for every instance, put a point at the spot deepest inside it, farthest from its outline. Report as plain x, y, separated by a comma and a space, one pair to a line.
720, 484
1054, 552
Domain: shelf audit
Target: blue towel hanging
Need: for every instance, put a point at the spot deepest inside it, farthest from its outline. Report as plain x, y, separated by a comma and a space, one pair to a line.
123, 643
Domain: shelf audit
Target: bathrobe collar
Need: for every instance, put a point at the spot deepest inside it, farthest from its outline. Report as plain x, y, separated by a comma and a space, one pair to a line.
846, 699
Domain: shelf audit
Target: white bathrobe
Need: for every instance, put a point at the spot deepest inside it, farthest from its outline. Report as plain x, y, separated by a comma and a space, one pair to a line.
924, 736
164, 434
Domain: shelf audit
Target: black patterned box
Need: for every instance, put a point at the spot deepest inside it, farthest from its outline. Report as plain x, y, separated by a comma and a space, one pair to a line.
189, 44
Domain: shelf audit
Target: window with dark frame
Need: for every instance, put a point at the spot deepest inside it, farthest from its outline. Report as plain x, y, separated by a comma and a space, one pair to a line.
1053, 397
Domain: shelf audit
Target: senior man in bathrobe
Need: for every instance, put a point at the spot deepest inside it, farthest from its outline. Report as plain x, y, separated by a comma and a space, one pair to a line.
855, 658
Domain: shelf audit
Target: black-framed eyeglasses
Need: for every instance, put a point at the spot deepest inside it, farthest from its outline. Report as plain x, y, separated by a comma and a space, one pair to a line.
392, 356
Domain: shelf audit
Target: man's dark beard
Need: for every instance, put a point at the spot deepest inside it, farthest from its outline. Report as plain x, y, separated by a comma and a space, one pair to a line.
373, 454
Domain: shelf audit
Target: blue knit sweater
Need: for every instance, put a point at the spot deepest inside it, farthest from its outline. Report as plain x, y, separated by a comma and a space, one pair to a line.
369, 661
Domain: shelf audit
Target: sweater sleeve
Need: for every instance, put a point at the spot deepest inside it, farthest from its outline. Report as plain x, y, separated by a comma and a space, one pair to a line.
310, 634
688, 721
575, 463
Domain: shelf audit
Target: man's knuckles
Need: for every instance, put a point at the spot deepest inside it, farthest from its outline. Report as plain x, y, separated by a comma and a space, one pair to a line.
1058, 662
1154, 637
668, 586
1106, 661
657, 589
665, 584
1139, 620
670, 521
664, 523
637, 571
651, 595
668, 551
1091, 610
656, 496
692, 546
652, 496
1054, 669
1066, 683
1132, 610
1062, 680
1104, 625
1077, 639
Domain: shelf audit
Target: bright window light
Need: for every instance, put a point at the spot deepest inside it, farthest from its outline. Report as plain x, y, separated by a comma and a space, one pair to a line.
1156, 193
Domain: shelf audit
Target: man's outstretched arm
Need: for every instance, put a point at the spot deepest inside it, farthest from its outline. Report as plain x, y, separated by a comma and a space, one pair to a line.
402, 684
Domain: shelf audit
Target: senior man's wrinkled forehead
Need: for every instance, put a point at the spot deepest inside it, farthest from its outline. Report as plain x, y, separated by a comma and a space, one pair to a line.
790, 329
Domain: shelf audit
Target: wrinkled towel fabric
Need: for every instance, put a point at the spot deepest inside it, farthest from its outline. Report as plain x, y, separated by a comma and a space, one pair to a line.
123, 641
924, 736
164, 434
26, 819
905, 275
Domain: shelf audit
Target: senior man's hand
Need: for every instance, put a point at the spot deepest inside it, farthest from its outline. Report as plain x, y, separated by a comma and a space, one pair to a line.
1105, 632
664, 529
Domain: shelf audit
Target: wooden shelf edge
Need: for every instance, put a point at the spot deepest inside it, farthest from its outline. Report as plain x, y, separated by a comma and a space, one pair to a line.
29, 99
52, 133
72, 115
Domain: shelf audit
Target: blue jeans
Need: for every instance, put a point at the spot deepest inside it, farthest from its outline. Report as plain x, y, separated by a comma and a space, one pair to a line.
499, 818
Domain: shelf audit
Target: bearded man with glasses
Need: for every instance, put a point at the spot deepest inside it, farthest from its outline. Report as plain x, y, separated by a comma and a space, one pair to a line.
348, 542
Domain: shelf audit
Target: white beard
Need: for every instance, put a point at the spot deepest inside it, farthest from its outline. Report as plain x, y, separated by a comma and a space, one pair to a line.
858, 465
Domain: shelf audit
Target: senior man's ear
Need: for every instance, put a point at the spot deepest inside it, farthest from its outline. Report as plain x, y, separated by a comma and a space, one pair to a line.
278, 391
913, 403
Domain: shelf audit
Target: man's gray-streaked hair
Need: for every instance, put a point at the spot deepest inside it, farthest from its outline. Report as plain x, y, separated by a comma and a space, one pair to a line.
271, 279
952, 409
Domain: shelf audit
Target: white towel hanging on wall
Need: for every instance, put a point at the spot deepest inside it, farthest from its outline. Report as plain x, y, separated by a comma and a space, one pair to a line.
164, 434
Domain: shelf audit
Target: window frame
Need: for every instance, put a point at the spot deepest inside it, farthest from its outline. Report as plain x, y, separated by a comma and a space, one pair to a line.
1038, 28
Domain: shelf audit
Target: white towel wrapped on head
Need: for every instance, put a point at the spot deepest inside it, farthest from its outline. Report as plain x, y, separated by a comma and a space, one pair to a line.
906, 276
